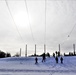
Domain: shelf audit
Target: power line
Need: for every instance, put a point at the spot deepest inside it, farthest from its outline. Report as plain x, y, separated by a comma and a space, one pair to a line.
13, 20
69, 34
45, 30
45, 24
71, 30
64, 40
29, 20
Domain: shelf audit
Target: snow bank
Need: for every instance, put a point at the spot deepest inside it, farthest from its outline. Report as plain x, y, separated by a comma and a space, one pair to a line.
27, 66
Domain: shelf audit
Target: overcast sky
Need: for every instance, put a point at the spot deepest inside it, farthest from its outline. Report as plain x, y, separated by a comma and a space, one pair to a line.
28, 27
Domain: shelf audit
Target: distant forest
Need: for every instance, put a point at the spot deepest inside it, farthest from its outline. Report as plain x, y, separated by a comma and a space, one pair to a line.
4, 55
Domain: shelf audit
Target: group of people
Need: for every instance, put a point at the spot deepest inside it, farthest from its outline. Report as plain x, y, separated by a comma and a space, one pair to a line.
61, 59
44, 58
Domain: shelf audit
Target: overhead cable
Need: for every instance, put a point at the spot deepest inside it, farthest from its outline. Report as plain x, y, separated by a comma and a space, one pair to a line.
45, 25
29, 20
13, 20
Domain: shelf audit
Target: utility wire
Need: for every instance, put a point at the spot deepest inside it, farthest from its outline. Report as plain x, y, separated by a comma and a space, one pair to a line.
64, 40
45, 24
29, 20
45, 30
69, 34
13, 20
71, 30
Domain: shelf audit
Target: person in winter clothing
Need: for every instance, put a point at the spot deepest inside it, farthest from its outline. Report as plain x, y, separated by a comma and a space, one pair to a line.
36, 60
61, 59
56, 59
43, 57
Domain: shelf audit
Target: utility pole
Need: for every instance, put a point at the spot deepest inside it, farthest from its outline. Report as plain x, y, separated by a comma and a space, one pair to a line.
44, 48
26, 51
59, 51
20, 52
59, 47
74, 48
35, 49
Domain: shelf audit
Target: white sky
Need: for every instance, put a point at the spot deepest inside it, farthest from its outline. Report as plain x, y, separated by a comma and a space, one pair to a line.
60, 20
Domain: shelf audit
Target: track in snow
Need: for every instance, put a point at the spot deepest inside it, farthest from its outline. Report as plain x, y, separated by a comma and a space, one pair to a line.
26, 70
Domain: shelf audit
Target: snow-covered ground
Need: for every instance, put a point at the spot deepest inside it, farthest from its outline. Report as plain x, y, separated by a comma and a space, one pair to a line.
27, 66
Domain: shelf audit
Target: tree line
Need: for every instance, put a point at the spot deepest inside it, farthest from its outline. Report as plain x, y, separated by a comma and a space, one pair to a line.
3, 54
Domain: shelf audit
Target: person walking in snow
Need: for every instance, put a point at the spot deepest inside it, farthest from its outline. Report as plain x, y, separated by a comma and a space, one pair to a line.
61, 59
36, 60
56, 59
43, 57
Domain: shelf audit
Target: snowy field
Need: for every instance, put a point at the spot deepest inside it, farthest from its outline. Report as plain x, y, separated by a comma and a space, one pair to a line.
27, 66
